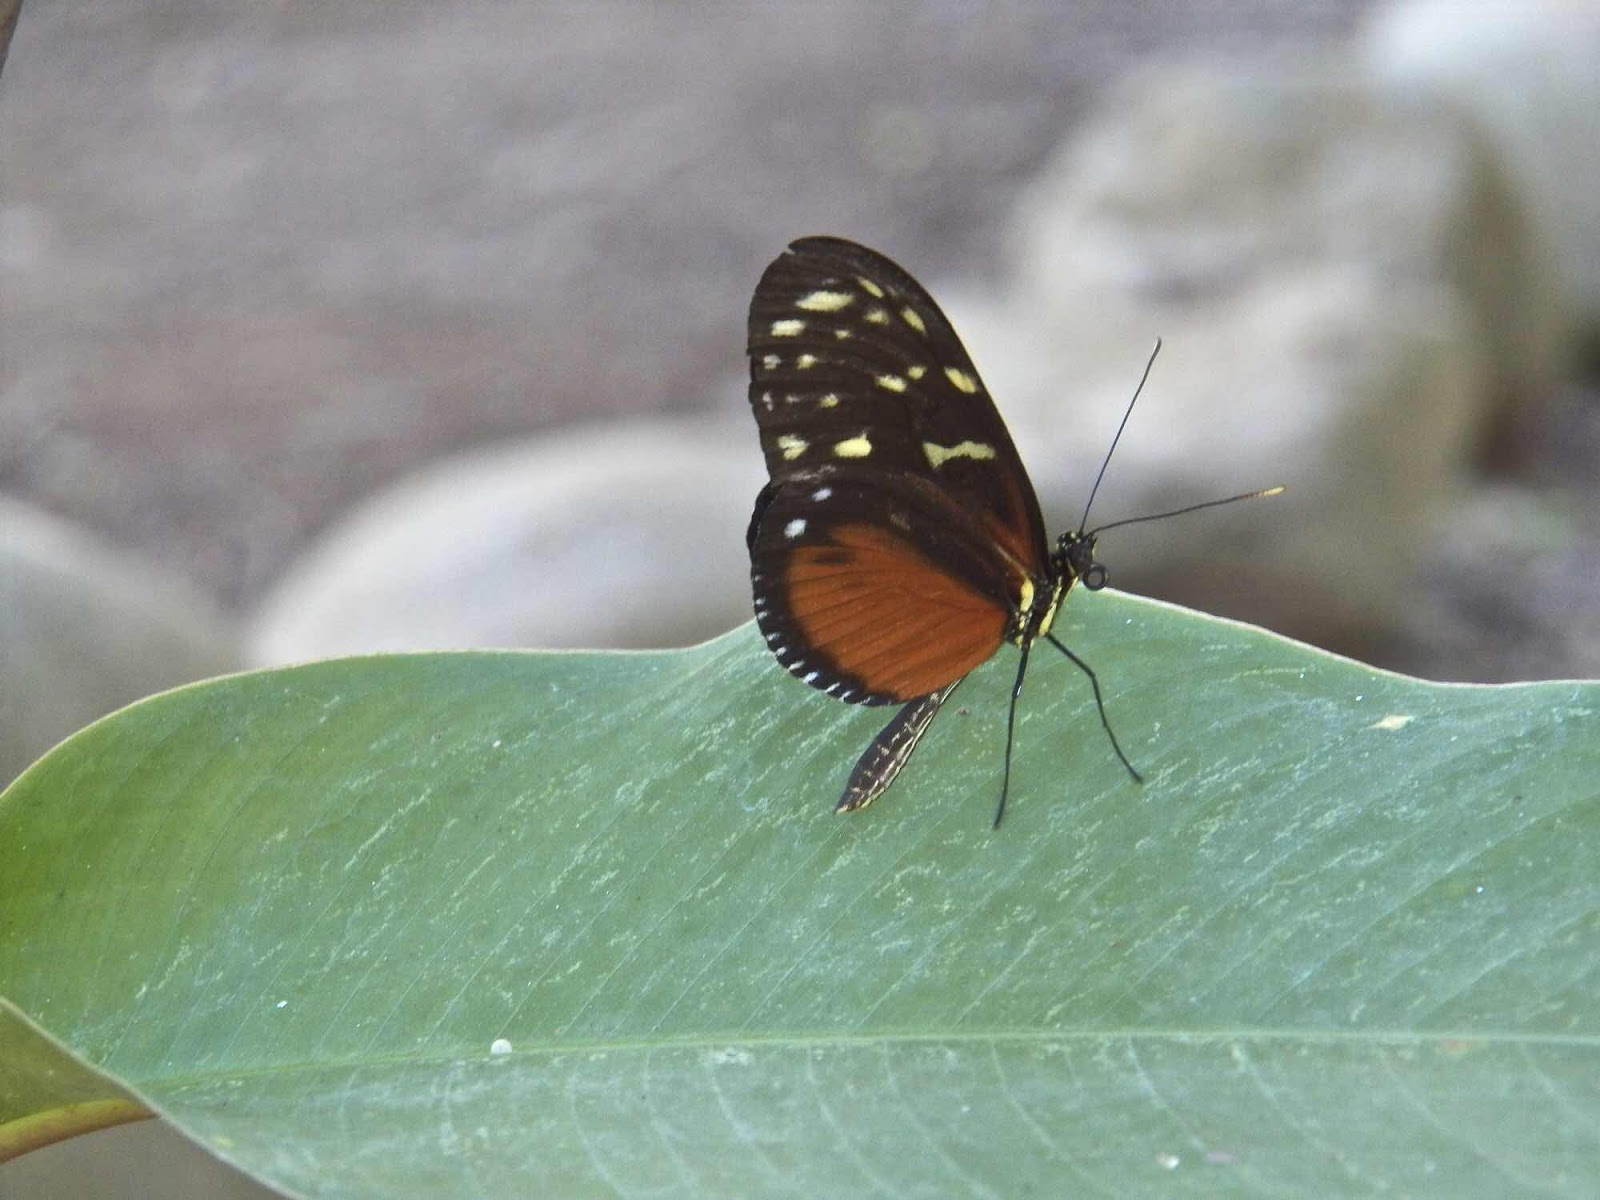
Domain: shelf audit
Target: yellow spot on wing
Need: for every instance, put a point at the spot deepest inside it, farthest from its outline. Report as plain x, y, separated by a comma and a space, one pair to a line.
788, 328
806, 360
825, 301
963, 382
1025, 600
939, 455
843, 334
891, 383
829, 401
917, 371
869, 287
856, 447
877, 316
792, 447
1392, 721
913, 320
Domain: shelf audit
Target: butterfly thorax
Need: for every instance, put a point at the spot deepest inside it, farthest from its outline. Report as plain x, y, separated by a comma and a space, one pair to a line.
1072, 562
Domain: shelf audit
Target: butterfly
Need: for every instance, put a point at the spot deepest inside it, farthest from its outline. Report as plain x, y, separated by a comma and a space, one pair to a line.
898, 542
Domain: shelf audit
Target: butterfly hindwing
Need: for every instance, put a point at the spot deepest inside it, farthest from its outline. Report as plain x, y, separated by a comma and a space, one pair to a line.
880, 763
877, 589
853, 364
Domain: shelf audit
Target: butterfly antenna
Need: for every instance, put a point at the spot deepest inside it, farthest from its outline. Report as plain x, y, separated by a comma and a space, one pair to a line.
1277, 490
1155, 350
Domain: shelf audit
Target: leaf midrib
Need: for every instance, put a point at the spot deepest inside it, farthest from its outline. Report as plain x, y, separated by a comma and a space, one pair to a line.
1474, 1038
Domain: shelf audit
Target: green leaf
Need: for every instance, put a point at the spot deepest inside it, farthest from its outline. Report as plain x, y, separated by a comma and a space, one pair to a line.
47, 1094
1342, 942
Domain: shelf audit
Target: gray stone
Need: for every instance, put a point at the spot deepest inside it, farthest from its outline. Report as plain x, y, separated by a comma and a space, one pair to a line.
1529, 73
1202, 180
626, 535
84, 631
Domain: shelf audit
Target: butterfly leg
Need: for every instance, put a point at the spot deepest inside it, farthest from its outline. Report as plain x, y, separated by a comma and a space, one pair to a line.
1098, 703
1011, 725
878, 765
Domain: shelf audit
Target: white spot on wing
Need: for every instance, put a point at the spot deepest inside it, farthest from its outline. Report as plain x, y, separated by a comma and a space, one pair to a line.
788, 328
795, 528
822, 493
791, 446
813, 677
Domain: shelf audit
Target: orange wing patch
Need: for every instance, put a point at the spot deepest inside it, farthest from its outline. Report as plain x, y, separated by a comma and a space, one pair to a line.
886, 615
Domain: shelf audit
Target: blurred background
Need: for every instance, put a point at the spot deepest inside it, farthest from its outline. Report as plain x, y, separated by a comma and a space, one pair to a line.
392, 325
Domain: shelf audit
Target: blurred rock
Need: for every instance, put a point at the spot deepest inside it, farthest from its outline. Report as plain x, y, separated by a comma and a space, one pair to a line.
1360, 394
1512, 591
1529, 73
1349, 289
628, 535
1206, 179
84, 631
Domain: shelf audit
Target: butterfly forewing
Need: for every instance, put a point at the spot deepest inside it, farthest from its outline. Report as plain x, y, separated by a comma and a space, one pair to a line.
877, 589
853, 364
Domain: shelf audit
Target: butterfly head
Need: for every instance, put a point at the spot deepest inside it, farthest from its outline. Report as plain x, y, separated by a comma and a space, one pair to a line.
1074, 559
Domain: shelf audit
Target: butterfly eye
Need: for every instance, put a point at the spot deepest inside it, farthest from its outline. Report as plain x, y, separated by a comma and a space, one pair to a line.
1095, 577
